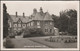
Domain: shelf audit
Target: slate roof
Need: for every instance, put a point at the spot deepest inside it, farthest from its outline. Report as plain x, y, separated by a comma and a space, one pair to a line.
47, 16
15, 19
37, 16
44, 16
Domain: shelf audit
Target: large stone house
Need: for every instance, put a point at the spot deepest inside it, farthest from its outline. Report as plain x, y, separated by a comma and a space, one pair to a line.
39, 19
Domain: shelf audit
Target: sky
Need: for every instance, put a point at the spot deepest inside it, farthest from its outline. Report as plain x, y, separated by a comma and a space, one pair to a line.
53, 7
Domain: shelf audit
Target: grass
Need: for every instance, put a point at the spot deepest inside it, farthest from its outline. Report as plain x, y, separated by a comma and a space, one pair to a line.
54, 44
40, 41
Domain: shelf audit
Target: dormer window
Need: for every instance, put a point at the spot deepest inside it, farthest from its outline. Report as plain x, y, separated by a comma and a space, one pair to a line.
19, 22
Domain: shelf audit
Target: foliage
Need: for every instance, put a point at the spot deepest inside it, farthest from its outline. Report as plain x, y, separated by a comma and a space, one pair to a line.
5, 21
8, 43
33, 32
56, 20
19, 33
67, 21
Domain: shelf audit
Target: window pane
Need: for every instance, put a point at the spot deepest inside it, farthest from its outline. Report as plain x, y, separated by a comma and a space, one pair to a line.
31, 23
46, 23
38, 27
24, 25
15, 25
50, 30
46, 30
19, 25
38, 23
50, 23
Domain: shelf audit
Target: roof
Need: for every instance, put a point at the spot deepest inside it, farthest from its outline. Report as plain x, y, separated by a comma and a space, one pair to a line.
44, 16
47, 16
15, 19
35, 16
38, 17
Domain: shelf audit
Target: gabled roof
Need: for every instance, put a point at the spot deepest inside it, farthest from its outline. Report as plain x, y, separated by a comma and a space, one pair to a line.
38, 17
23, 19
14, 18
44, 16
35, 16
47, 16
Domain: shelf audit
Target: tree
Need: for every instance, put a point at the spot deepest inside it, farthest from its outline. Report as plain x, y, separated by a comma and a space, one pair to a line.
56, 20
72, 22
68, 21
5, 21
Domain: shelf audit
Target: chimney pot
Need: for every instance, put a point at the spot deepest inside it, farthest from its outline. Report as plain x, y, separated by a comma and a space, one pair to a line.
23, 14
16, 14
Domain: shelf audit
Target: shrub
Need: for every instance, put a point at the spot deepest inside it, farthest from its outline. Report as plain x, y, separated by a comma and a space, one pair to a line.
8, 43
33, 32
12, 35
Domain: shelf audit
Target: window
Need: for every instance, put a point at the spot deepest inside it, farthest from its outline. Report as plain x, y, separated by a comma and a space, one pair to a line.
15, 25
15, 28
46, 30
10, 24
24, 25
28, 24
50, 23
46, 23
19, 25
50, 30
38, 26
32, 23
19, 29
38, 23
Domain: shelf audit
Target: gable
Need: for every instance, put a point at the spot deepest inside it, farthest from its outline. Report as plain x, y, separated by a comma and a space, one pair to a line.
48, 17
19, 21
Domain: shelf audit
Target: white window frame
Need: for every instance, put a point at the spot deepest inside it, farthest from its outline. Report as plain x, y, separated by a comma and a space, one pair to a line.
32, 23
24, 25
38, 23
46, 30
51, 23
19, 25
51, 30
15, 25
38, 26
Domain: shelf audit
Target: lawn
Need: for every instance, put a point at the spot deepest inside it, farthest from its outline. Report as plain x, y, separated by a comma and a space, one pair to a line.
26, 43
41, 40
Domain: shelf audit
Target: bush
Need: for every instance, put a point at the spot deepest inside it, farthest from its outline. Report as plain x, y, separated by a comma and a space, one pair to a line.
33, 32
12, 35
8, 43
19, 33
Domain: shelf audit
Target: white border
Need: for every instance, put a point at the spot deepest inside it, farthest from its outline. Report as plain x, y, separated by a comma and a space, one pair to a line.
38, 48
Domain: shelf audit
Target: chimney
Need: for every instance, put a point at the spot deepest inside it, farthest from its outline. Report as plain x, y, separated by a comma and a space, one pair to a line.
35, 10
16, 14
23, 14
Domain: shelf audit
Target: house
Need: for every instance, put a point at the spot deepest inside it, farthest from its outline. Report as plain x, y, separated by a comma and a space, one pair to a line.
39, 20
